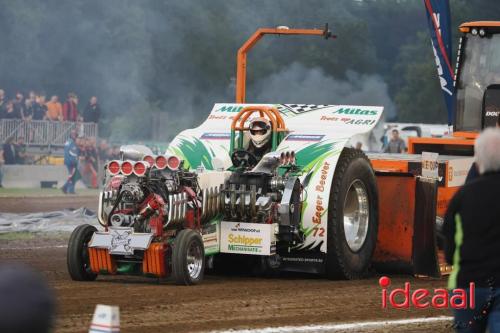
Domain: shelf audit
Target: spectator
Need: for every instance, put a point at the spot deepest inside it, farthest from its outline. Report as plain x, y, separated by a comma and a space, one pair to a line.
70, 109
92, 111
2, 103
80, 143
32, 95
19, 105
39, 108
94, 158
472, 232
54, 109
21, 154
28, 110
89, 169
396, 145
76, 100
9, 151
71, 156
27, 303
473, 171
10, 112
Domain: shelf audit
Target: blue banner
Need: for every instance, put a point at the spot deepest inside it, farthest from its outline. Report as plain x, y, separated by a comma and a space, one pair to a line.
439, 19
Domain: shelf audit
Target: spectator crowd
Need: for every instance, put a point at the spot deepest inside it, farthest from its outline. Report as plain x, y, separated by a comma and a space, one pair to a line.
36, 107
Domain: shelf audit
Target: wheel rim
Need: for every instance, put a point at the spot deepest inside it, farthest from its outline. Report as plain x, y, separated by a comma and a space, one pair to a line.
194, 260
356, 216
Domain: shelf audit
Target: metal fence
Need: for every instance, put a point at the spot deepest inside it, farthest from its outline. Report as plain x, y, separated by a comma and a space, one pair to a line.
44, 133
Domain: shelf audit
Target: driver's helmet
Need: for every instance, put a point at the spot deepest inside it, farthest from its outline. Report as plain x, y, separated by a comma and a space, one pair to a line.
260, 131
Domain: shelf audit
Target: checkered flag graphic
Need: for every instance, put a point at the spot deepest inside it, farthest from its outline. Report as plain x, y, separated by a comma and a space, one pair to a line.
297, 109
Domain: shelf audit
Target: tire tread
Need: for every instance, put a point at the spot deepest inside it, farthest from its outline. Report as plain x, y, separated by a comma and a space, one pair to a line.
73, 258
337, 266
179, 269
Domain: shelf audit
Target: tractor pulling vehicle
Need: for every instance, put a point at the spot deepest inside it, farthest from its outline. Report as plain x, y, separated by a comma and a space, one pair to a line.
307, 202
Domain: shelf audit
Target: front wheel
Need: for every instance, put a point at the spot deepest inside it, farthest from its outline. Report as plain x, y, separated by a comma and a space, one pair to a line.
188, 258
352, 217
78, 261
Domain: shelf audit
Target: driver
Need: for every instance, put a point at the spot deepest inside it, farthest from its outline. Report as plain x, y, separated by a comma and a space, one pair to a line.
260, 137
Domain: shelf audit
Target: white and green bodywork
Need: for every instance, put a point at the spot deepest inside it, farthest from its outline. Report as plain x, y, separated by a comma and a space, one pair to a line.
317, 134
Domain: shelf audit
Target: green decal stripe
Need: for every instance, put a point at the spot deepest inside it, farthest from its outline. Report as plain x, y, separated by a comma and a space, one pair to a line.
211, 250
459, 238
195, 153
308, 156
307, 231
312, 158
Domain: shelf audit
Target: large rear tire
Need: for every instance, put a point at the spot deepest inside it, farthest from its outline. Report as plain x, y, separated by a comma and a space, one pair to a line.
352, 217
188, 258
78, 261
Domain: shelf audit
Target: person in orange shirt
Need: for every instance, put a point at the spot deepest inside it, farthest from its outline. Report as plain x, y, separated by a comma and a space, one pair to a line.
54, 109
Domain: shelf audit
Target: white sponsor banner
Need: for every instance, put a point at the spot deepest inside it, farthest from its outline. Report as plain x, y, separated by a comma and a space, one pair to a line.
210, 236
458, 170
430, 165
248, 238
316, 133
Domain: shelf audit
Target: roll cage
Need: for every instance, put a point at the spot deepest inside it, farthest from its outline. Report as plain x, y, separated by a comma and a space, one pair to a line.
239, 126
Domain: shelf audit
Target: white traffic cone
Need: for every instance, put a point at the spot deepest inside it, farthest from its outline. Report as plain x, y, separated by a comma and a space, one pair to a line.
106, 319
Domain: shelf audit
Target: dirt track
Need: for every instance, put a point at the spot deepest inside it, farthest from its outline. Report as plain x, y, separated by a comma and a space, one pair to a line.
220, 302
46, 204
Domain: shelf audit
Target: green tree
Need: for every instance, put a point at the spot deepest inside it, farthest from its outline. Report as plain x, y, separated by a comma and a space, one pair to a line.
418, 95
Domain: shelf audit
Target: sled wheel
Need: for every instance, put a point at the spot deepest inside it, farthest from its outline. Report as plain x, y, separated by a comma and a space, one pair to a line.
188, 258
352, 217
78, 260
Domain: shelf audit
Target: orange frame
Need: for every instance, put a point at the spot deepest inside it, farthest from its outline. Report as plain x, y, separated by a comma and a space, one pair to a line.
458, 140
241, 60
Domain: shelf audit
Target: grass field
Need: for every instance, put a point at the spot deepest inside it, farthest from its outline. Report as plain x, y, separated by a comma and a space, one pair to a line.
45, 192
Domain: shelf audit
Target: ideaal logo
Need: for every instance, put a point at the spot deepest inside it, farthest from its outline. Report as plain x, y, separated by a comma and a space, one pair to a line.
351, 111
440, 298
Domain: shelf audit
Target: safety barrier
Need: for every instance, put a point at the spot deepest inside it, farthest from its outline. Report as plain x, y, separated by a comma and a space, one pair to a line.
32, 176
43, 132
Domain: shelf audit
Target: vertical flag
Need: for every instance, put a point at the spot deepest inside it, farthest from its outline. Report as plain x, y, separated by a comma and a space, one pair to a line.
439, 19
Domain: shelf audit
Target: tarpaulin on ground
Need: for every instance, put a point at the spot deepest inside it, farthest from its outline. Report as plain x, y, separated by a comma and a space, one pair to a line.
60, 221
